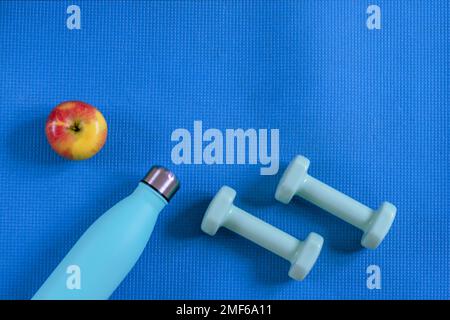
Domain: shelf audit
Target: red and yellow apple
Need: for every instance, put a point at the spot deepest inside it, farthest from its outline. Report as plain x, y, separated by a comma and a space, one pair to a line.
76, 130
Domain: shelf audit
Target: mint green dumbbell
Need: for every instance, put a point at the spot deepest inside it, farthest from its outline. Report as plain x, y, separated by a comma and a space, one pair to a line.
301, 254
374, 224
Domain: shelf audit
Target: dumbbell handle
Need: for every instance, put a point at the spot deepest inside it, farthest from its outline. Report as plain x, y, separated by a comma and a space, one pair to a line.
262, 233
335, 202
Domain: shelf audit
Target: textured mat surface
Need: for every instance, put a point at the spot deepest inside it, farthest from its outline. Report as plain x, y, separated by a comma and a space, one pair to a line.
370, 108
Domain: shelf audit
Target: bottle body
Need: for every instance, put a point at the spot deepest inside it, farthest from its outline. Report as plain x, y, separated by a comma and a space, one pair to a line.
108, 249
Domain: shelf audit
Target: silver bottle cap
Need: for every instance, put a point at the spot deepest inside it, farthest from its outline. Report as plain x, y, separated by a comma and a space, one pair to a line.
163, 181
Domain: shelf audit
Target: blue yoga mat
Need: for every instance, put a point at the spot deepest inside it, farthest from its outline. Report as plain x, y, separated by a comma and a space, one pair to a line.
368, 107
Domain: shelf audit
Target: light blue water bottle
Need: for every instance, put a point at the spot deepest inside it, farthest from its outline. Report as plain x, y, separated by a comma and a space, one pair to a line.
108, 250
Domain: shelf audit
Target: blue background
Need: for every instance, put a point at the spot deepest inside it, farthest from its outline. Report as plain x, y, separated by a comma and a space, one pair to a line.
370, 108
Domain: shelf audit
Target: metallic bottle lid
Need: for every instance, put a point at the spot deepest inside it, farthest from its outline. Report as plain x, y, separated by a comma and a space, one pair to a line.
163, 181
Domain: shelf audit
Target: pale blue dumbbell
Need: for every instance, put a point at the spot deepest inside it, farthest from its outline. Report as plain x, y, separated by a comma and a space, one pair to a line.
374, 224
301, 254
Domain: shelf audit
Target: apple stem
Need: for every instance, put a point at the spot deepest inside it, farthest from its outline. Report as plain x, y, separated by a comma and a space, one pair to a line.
75, 126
